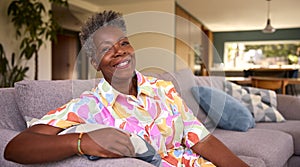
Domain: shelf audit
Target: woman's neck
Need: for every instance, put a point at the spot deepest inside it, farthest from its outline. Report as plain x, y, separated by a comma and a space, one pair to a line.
128, 87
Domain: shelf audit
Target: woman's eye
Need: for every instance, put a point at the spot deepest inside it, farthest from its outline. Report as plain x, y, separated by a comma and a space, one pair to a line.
105, 50
125, 43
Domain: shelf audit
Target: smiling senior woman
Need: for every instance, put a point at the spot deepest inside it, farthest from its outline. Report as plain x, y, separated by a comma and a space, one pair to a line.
128, 103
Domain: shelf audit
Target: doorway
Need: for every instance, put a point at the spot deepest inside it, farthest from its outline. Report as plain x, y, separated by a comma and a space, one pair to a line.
64, 55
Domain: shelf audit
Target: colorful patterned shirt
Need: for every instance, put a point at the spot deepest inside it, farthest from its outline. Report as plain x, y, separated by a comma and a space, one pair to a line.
158, 114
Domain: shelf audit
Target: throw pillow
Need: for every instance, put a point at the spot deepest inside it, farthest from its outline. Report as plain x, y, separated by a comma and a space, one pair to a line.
262, 103
227, 112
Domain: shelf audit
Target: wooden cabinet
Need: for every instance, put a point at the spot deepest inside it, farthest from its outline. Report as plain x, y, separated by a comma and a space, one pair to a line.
191, 45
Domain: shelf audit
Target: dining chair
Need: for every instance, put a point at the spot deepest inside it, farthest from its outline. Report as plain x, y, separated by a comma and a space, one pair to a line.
271, 83
275, 73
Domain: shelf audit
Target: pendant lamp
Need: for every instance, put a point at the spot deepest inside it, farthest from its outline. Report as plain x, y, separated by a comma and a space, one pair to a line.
268, 28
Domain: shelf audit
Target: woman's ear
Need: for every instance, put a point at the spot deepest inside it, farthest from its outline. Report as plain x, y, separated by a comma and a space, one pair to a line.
95, 64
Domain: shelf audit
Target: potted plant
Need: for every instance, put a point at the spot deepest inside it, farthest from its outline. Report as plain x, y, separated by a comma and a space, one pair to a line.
10, 71
34, 25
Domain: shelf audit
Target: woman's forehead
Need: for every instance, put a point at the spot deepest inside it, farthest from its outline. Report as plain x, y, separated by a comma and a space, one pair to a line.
108, 34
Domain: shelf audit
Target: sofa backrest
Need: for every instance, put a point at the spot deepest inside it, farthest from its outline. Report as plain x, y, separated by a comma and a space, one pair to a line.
210, 81
11, 117
36, 98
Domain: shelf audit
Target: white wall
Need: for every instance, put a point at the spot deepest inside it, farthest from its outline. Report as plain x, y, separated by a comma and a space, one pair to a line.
10, 44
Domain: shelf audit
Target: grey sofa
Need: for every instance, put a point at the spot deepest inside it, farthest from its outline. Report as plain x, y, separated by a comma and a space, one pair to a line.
266, 145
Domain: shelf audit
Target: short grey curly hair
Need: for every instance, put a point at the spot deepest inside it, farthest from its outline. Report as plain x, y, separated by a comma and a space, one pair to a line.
99, 20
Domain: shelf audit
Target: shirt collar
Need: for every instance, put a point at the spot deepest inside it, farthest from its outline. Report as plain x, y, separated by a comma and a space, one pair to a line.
145, 86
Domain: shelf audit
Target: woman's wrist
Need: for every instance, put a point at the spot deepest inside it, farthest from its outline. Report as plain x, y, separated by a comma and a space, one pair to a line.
79, 140
75, 143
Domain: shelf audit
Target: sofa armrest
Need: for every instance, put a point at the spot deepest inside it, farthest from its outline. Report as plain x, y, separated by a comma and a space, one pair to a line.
76, 161
11, 117
6, 135
288, 106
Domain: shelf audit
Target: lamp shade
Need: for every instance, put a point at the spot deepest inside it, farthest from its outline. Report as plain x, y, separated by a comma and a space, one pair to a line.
268, 28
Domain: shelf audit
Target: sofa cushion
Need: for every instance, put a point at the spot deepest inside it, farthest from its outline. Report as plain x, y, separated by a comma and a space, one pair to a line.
291, 127
227, 112
76, 161
36, 98
253, 161
285, 102
11, 117
272, 146
261, 103
294, 161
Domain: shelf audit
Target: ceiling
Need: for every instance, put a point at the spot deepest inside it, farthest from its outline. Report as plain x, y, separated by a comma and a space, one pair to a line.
235, 15
243, 15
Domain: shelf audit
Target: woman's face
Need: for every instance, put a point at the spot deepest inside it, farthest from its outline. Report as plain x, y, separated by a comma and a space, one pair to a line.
115, 56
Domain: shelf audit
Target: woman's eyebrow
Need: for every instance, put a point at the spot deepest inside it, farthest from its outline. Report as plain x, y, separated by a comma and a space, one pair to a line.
111, 43
122, 37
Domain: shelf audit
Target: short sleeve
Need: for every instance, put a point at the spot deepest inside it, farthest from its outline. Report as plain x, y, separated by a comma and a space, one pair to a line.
77, 111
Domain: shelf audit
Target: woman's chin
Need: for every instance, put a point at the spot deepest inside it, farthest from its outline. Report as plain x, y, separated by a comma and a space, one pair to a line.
123, 74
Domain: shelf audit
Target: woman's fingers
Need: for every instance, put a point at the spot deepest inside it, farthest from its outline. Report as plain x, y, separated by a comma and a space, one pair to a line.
109, 142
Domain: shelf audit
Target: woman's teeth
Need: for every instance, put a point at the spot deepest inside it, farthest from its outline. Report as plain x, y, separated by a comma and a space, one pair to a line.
123, 64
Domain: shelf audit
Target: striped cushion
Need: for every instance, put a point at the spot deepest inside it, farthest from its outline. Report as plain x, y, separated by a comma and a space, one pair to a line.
262, 103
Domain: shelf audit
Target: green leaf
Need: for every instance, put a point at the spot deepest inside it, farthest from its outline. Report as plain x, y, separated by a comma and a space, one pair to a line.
3, 66
23, 53
12, 7
13, 59
2, 53
3, 61
24, 43
18, 33
39, 7
13, 74
25, 70
29, 53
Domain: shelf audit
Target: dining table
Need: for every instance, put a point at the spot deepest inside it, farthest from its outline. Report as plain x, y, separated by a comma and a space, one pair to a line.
272, 72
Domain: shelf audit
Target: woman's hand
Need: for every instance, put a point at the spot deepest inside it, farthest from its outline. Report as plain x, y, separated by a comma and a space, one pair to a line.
107, 142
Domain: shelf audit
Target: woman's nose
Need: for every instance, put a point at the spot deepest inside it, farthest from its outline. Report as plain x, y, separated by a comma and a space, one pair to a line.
119, 50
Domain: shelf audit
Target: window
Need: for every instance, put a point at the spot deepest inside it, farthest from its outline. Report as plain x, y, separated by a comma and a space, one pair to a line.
244, 55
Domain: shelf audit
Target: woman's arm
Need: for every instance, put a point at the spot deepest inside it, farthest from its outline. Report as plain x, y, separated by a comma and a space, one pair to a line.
40, 143
216, 152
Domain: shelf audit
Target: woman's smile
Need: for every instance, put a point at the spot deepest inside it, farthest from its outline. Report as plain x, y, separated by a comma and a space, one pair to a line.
123, 64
